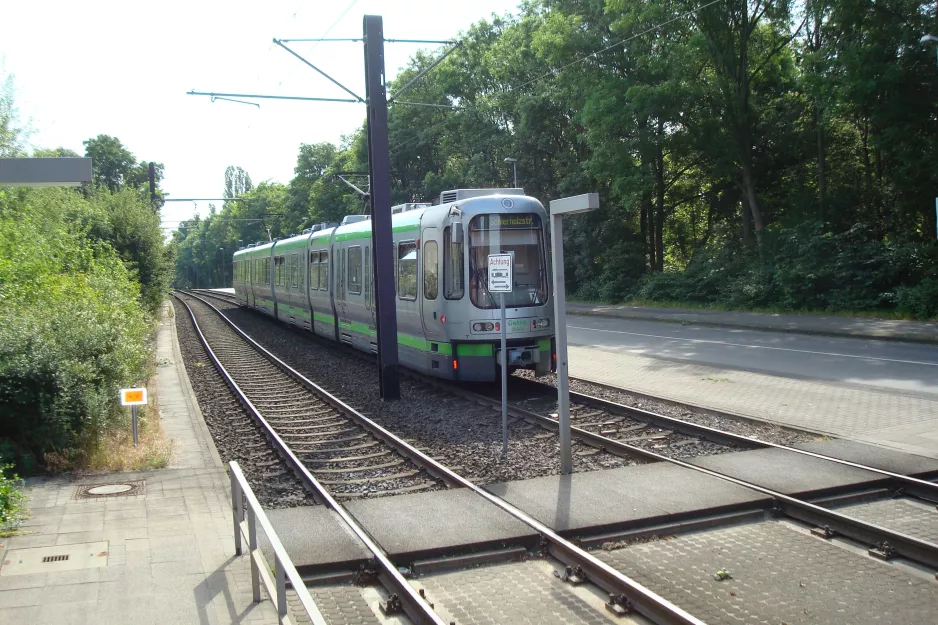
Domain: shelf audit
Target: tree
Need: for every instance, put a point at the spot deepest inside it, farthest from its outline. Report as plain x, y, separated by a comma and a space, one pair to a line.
237, 182
12, 134
111, 163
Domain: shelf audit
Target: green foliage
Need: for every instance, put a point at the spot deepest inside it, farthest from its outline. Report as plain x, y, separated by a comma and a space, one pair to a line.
72, 328
12, 134
735, 148
807, 268
12, 499
114, 167
126, 222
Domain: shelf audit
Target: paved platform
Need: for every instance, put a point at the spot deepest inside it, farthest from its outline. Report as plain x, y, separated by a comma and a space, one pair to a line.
169, 555
876, 457
788, 473
824, 325
899, 421
440, 522
625, 497
314, 536
908, 516
525, 593
779, 575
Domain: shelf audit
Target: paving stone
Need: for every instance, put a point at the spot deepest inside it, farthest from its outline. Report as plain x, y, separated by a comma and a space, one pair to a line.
516, 593
906, 516
339, 605
779, 575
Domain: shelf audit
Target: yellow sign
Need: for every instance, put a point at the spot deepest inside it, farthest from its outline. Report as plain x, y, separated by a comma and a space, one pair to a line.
133, 396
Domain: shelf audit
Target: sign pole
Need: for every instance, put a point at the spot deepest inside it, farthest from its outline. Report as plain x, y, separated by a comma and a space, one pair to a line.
558, 208
133, 397
500, 281
501, 297
560, 333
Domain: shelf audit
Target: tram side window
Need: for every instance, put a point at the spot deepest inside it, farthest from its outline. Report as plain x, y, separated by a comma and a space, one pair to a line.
323, 271
407, 271
369, 292
313, 271
267, 271
294, 270
431, 273
453, 268
355, 270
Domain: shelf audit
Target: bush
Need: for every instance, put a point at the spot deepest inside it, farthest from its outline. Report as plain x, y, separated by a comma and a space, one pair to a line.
12, 499
72, 328
808, 268
920, 301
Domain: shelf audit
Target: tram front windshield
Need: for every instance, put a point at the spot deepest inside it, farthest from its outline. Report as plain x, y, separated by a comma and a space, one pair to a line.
501, 234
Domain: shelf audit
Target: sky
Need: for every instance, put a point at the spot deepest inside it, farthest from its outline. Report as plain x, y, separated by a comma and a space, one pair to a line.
123, 69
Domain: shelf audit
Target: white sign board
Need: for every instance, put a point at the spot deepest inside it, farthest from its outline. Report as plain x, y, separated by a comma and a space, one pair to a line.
133, 397
500, 273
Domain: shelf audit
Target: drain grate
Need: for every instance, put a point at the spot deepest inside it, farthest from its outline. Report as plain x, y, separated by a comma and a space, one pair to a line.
113, 489
55, 559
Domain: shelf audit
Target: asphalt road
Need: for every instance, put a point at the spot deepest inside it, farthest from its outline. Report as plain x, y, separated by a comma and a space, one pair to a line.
888, 365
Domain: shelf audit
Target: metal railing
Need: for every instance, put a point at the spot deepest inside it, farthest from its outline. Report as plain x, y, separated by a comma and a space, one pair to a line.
260, 569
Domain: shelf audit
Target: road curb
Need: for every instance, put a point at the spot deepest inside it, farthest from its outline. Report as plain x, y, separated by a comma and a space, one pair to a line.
896, 338
189, 393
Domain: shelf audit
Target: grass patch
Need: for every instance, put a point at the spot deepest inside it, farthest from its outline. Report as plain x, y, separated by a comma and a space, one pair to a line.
116, 452
113, 449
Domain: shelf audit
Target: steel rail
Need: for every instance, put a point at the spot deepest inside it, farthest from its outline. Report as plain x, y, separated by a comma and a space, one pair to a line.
414, 605
922, 489
642, 599
871, 534
907, 546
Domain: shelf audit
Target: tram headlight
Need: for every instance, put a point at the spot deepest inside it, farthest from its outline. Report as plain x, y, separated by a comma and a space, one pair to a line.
486, 326
542, 323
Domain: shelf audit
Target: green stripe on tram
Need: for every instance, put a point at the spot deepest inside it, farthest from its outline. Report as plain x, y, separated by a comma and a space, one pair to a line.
475, 349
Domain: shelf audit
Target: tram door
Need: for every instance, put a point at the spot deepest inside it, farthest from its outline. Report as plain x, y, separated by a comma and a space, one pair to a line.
341, 280
429, 288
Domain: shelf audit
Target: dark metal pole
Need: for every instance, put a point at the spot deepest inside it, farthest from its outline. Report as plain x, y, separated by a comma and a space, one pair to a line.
379, 167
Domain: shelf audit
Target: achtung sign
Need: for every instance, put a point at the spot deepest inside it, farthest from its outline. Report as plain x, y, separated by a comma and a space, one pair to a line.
500, 273
133, 396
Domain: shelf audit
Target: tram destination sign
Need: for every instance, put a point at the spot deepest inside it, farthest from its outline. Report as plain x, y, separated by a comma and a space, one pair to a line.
500, 266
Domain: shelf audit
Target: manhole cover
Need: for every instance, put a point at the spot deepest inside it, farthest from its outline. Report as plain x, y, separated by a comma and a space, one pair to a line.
110, 489
122, 489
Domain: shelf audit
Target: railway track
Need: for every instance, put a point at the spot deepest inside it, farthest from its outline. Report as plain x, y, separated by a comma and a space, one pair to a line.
353, 461
625, 595
597, 421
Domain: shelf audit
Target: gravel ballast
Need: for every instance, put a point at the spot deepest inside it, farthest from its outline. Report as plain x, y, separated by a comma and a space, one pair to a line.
459, 434
235, 434
762, 431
